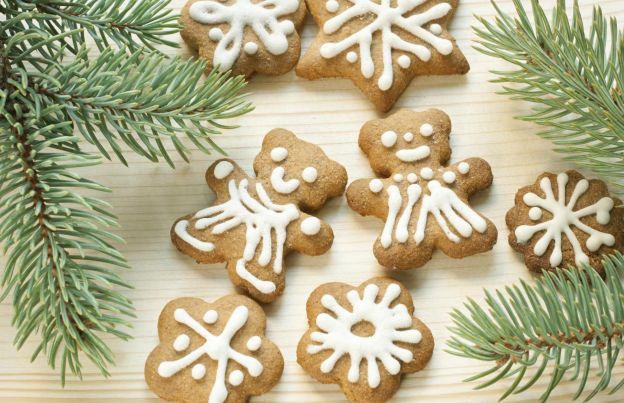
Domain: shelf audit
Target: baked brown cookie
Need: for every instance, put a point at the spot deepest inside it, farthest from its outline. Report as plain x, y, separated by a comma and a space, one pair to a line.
565, 220
423, 201
255, 222
245, 36
213, 352
382, 45
364, 338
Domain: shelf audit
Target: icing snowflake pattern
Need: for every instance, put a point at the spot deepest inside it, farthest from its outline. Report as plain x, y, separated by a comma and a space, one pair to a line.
392, 325
564, 217
387, 20
261, 17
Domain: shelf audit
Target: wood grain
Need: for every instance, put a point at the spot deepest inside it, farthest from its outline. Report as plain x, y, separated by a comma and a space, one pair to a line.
148, 197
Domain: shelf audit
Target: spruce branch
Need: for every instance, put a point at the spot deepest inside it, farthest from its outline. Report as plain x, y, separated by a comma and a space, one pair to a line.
573, 76
570, 321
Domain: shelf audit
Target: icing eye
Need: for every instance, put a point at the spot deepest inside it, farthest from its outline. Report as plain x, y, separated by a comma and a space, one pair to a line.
388, 139
535, 213
198, 372
279, 154
426, 130
426, 173
463, 168
309, 174
449, 177
409, 136
211, 317
375, 185
223, 169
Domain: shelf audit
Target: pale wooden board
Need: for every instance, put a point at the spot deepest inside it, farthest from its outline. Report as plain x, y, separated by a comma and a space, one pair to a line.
148, 197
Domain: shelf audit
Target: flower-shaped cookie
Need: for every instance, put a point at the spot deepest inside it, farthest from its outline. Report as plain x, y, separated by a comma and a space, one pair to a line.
213, 352
364, 338
381, 45
565, 220
423, 201
245, 36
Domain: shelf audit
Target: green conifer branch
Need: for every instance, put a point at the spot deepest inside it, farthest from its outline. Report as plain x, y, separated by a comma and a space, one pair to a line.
569, 323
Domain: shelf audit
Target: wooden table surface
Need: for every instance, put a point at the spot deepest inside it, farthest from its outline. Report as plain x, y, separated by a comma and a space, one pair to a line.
148, 197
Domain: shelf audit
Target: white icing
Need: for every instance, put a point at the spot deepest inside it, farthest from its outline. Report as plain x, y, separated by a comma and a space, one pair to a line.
412, 177
254, 343
217, 348
402, 231
564, 217
435, 29
463, 168
426, 130
404, 61
375, 185
280, 185
409, 136
413, 154
236, 377
426, 173
352, 57
279, 154
535, 213
386, 18
223, 169
449, 177
210, 316
332, 6
251, 48
397, 178
389, 139
309, 174
311, 226
261, 18
181, 230
392, 325
394, 205
181, 342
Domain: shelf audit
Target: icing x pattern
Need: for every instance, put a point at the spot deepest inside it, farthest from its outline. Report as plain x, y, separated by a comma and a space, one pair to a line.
392, 324
261, 17
564, 217
387, 19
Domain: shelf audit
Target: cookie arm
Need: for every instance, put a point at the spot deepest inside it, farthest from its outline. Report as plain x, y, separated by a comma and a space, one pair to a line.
309, 235
364, 201
473, 174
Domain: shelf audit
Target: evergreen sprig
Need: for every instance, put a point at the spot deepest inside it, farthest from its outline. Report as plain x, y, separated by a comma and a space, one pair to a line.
62, 266
569, 323
573, 76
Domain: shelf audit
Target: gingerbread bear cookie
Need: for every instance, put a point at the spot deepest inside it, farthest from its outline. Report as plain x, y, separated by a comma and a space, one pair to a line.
423, 201
565, 220
255, 222
381, 45
364, 338
245, 36
213, 352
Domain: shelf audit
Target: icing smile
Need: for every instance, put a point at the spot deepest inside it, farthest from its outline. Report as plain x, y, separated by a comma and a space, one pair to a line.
279, 184
413, 154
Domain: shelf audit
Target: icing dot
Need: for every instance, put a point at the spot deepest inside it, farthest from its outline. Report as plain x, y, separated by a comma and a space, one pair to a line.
279, 154
331, 6
463, 168
404, 61
449, 177
223, 169
254, 343
535, 213
435, 29
287, 27
309, 174
211, 317
352, 57
198, 372
375, 185
397, 177
250, 48
412, 177
311, 226
181, 342
409, 136
236, 377
426, 130
388, 139
426, 173
215, 34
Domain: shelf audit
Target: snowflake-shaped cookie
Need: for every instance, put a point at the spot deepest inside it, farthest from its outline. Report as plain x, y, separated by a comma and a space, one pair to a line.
363, 338
213, 352
564, 220
255, 222
423, 202
382, 44
245, 36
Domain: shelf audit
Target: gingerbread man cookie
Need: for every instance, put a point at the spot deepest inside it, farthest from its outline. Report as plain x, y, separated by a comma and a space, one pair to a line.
382, 45
255, 222
245, 36
213, 352
565, 220
423, 202
364, 338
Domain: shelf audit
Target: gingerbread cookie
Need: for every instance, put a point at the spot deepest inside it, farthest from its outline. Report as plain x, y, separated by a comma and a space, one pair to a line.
364, 338
213, 352
423, 201
255, 222
565, 220
245, 36
382, 45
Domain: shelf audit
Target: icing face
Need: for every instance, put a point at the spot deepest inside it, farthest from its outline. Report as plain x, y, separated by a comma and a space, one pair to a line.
389, 140
308, 175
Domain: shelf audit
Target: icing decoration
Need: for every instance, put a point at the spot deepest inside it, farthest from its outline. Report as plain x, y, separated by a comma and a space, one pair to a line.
413, 154
398, 177
251, 48
449, 177
389, 139
387, 18
181, 230
426, 173
409, 136
375, 185
279, 154
181, 342
389, 322
564, 216
404, 61
309, 174
236, 377
332, 6
281, 186
435, 29
223, 169
217, 348
261, 18
463, 168
311, 226
254, 343
412, 177
426, 130
210, 317
352, 57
